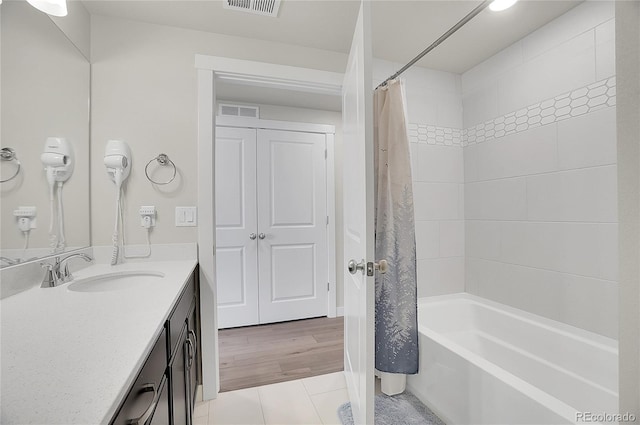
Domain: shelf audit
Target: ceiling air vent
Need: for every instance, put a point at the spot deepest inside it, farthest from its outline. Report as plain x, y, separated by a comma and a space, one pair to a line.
258, 7
239, 111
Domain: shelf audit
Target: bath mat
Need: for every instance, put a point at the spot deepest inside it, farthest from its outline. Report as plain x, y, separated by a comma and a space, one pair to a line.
402, 409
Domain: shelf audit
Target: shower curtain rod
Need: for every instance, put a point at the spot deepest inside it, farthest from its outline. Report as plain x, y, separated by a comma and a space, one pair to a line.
442, 38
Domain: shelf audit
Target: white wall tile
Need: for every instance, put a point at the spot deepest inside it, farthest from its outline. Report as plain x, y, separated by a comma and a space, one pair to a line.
470, 158
427, 239
452, 238
561, 69
588, 194
530, 152
436, 201
579, 248
584, 302
440, 164
440, 276
606, 49
582, 18
480, 105
420, 106
449, 112
504, 199
487, 71
482, 239
413, 153
587, 140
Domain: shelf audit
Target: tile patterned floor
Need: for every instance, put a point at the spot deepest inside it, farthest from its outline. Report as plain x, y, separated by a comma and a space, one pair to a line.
307, 401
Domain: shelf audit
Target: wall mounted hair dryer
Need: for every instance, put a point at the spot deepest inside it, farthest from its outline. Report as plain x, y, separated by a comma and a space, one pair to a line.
117, 159
58, 160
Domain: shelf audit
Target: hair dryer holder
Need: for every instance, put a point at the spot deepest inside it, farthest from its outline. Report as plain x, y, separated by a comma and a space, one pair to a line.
58, 159
117, 159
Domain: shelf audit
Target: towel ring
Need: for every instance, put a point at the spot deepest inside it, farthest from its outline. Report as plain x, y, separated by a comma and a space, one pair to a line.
9, 154
163, 160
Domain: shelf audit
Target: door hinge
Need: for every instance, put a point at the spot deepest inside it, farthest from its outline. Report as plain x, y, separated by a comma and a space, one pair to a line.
325, 154
327, 219
328, 286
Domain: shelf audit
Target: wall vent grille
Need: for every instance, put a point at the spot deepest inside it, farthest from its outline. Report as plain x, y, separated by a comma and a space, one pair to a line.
258, 7
229, 110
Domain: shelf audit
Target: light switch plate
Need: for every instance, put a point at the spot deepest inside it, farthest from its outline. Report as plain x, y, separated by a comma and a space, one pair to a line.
186, 216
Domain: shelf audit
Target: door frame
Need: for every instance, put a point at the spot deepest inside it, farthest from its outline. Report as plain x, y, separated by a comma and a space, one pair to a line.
330, 202
258, 74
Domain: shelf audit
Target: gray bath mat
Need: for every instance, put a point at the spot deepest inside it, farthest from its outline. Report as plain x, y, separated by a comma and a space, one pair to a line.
402, 409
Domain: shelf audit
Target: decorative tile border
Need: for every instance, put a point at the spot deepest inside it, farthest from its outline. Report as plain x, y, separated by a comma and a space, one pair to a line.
601, 94
578, 102
432, 135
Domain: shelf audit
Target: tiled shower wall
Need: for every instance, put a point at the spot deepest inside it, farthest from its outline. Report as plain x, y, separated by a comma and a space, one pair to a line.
434, 109
514, 173
540, 172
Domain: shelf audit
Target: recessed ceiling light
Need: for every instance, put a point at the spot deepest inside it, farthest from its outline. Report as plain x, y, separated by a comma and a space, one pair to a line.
499, 5
51, 7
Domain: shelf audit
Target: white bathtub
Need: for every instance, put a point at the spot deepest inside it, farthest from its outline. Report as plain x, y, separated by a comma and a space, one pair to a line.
486, 363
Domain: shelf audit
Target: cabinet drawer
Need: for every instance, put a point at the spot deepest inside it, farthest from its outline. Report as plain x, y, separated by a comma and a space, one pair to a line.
180, 313
146, 389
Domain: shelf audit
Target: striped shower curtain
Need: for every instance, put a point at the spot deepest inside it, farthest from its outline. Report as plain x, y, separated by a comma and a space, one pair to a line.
396, 334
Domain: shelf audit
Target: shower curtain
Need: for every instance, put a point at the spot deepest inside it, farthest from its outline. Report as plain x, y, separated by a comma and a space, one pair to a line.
396, 334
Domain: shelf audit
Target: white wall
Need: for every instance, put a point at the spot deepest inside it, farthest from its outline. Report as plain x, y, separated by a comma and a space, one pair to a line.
434, 112
628, 67
540, 172
144, 92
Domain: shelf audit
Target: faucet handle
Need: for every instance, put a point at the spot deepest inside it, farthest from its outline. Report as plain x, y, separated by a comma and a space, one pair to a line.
49, 279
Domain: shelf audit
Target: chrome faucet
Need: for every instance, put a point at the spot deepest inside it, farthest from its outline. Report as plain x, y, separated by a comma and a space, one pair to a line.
58, 273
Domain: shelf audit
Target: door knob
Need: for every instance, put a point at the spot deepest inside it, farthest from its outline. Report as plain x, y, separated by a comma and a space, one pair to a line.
252, 236
262, 236
354, 267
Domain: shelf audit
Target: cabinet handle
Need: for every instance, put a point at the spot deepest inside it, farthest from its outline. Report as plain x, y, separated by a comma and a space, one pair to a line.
142, 420
195, 339
190, 351
195, 343
262, 236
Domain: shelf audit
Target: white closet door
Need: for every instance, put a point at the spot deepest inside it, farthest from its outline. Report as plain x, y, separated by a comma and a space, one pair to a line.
292, 225
236, 221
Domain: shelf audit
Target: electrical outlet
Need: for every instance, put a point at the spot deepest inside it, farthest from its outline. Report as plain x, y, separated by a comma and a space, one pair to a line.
147, 216
26, 218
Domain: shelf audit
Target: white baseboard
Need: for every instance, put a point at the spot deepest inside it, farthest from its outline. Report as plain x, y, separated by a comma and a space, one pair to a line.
339, 311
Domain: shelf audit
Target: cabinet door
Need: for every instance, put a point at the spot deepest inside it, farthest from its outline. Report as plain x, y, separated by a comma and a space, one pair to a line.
292, 226
193, 357
181, 412
161, 414
236, 227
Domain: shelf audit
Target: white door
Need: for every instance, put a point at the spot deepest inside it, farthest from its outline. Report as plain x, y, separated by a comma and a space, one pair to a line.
292, 225
236, 227
357, 121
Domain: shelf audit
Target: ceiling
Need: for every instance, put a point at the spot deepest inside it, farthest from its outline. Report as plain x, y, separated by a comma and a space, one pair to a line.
400, 29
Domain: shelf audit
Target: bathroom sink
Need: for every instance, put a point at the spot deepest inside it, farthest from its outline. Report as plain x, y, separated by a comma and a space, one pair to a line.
115, 281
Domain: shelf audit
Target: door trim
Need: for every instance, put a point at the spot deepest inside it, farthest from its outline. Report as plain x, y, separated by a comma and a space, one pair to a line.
209, 68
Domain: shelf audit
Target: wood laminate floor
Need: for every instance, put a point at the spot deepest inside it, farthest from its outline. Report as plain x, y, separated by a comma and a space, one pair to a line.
259, 355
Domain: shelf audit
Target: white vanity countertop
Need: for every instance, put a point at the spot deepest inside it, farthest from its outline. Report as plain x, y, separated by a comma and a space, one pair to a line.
70, 357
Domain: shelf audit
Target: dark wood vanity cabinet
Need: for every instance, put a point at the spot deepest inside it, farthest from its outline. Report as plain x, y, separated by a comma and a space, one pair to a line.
147, 401
164, 391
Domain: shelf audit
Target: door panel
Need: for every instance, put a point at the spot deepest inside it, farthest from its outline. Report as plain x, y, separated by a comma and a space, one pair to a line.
358, 177
292, 216
237, 268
